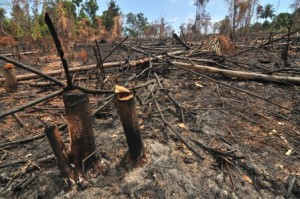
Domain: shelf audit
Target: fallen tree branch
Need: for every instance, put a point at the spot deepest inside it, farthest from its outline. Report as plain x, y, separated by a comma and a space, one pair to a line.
58, 72
84, 68
28, 68
233, 87
239, 74
175, 36
36, 101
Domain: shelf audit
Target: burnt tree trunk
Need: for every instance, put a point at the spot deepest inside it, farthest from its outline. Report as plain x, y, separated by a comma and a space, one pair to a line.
129, 119
80, 124
11, 84
61, 155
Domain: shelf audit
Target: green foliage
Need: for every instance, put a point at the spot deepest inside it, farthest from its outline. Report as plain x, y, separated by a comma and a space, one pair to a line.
283, 20
267, 12
77, 3
2, 14
135, 24
296, 18
70, 9
112, 11
256, 27
266, 25
224, 26
91, 7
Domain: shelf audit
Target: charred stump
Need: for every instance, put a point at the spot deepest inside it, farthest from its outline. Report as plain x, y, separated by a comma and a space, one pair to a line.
80, 124
11, 84
60, 152
129, 119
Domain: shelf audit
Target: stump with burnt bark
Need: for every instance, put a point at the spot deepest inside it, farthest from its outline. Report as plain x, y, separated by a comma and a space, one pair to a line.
129, 119
80, 124
11, 84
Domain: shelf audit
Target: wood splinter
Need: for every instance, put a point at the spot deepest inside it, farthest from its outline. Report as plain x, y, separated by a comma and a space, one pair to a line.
80, 124
129, 119
11, 84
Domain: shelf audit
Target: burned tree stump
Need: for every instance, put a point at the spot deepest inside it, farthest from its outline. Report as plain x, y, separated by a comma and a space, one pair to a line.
80, 124
127, 111
61, 155
11, 84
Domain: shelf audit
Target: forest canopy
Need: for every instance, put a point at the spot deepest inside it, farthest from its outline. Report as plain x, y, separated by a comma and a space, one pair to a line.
78, 19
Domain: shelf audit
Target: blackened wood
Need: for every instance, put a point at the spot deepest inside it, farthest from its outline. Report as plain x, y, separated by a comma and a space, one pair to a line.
59, 49
100, 59
61, 155
129, 119
175, 36
82, 141
113, 50
21, 123
11, 84
29, 104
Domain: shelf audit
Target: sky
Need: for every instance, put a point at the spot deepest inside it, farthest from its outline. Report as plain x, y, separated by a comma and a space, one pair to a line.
177, 12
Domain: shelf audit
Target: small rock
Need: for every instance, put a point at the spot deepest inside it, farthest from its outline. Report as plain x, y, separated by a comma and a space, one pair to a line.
264, 184
215, 190
3, 177
224, 194
220, 179
188, 160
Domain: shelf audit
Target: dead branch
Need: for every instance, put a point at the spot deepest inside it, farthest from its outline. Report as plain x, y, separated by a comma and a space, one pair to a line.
115, 48
59, 49
239, 74
28, 68
84, 68
175, 36
22, 140
29, 104
233, 87
174, 131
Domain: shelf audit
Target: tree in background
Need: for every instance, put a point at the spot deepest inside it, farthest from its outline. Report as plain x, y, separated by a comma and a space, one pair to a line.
78, 4
224, 26
259, 10
267, 12
152, 30
201, 15
283, 20
206, 22
296, 14
240, 14
108, 16
2, 20
91, 7
135, 24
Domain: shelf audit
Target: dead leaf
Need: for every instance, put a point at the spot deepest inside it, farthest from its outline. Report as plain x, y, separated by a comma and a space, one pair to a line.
198, 84
247, 179
181, 125
289, 152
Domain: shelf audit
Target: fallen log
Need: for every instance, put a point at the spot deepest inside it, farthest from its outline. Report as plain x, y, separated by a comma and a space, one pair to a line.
90, 67
60, 71
239, 74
